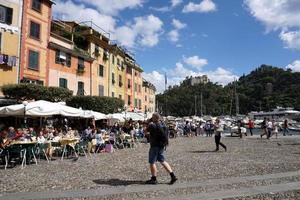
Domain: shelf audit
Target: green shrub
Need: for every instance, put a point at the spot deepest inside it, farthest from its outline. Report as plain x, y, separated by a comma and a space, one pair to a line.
26, 91
100, 104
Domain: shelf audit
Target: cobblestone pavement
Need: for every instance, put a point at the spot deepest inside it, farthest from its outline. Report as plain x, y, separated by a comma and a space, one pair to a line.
248, 170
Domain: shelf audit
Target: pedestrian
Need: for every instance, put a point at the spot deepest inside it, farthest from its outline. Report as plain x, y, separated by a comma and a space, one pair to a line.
285, 127
269, 128
218, 131
158, 142
250, 126
275, 128
264, 127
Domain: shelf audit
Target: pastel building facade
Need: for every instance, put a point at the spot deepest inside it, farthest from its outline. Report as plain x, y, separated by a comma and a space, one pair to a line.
117, 72
148, 96
10, 31
68, 67
34, 57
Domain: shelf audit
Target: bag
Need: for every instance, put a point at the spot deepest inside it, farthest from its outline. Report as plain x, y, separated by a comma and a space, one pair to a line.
163, 134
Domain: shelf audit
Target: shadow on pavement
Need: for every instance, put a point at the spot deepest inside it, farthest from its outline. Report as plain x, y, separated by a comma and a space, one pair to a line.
118, 182
203, 151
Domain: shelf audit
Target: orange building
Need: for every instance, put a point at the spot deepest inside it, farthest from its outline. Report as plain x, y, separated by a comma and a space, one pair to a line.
137, 88
34, 63
69, 67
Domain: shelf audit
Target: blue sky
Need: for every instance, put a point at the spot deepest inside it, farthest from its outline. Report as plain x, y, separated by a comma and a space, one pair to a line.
223, 39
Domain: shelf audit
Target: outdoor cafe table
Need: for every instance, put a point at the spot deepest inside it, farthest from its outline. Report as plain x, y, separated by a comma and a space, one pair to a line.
68, 141
25, 148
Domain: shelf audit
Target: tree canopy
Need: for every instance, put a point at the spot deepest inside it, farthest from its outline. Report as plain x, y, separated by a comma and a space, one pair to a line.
263, 89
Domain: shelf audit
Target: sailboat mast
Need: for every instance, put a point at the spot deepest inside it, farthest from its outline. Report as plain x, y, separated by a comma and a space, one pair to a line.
201, 104
195, 105
237, 108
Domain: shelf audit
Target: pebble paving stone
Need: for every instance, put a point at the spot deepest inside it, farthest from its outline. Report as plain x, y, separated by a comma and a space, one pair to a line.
192, 159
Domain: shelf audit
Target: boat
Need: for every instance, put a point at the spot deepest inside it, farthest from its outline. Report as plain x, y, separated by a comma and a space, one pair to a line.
278, 113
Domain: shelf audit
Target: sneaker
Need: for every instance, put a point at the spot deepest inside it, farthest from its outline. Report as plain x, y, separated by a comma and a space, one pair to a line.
151, 182
173, 180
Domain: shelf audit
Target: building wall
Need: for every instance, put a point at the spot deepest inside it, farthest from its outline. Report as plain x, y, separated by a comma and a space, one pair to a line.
44, 19
96, 79
57, 71
10, 37
119, 91
137, 90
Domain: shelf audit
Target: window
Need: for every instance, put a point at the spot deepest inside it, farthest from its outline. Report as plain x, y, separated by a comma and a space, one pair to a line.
101, 90
120, 81
113, 81
33, 60
97, 51
113, 59
140, 104
129, 100
101, 70
129, 70
80, 88
118, 61
36, 5
80, 67
63, 83
6, 15
129, 84
135, 103
34, 30
112, 94
135, 87
68, 60
120, 96
145, 98
139, 88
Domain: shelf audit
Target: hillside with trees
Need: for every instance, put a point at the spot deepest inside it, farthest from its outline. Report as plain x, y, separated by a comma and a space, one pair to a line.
263, 89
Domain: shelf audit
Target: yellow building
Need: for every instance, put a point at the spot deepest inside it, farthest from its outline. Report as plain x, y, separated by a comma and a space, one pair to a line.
117, 72
148, 96
10, 29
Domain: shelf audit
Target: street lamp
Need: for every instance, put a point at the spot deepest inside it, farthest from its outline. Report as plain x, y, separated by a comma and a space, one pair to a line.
25, 103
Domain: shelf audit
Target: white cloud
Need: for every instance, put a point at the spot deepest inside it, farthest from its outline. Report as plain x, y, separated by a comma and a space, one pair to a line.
295, 66
161, 9
180, 72
291, 39
173, 35
195, 61
148, 29
112, 7
143, 31
78, 12
278, 15
175, 3
275, 14
202, 7
178, 24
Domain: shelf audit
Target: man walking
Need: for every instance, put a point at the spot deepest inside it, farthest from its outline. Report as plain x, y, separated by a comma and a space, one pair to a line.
158, 142
218, 131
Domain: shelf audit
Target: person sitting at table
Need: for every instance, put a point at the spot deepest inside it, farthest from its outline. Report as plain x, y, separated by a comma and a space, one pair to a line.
11, 132
90, 138
70, 133
32, 132
99, 141
4, 143
56, 137
41, 139
111, 138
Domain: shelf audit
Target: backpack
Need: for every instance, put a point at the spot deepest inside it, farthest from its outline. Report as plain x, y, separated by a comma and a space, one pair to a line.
164, 134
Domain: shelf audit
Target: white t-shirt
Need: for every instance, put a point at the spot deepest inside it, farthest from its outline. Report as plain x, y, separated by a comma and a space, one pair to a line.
270, 125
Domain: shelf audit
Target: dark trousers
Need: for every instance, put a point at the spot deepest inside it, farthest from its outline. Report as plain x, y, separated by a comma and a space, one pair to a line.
250, 129
218, 142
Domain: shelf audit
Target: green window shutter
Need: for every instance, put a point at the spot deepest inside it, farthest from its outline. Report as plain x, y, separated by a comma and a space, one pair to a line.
101, 70
57, 54
69, 58
33, 60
